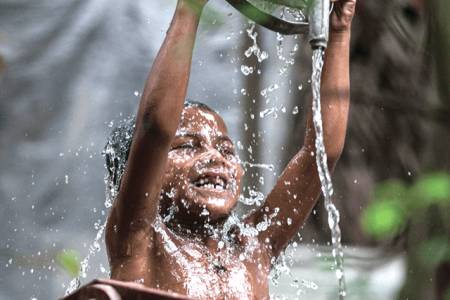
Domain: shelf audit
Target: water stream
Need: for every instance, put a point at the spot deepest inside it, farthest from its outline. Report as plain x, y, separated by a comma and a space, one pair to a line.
324, 173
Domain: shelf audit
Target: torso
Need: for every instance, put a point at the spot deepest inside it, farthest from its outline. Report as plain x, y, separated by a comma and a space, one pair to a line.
235, 271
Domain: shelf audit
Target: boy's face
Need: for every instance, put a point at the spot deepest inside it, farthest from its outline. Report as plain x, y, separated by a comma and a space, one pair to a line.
203, 173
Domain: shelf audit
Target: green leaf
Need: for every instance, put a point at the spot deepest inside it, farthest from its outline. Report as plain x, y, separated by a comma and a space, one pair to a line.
432, 189
391, 190
383, 219
447, 294
69, 261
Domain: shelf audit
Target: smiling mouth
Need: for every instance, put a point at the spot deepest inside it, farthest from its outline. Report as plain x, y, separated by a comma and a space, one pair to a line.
212, 183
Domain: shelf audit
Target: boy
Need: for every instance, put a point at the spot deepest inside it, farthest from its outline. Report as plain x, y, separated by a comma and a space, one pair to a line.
182, 179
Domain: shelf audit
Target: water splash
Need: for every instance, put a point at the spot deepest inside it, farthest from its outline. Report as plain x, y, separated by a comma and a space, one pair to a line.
324, 173
116, 150
288, 60
254, 198
94, 248
254, 49
269, 89
246, 70
269, 167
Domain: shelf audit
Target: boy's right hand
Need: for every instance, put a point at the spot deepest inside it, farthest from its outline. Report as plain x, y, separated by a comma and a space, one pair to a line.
342, 15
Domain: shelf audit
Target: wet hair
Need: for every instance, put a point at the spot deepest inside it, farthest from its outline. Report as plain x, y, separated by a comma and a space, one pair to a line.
118, 145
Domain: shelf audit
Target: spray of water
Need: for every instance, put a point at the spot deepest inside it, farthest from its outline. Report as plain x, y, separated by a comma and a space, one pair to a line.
255, 197
84, 266
115, 151
324, 173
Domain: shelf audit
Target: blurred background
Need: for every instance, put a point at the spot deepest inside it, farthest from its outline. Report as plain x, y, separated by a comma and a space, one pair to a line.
70, 70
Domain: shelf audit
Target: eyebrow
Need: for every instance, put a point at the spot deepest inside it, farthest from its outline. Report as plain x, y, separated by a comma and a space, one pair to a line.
198, 136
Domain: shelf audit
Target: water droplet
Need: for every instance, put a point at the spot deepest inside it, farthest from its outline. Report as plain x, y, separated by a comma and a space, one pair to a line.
220, 245
266, 112
246, 70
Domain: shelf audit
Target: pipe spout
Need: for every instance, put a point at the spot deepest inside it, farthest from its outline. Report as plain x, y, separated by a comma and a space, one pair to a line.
319, 23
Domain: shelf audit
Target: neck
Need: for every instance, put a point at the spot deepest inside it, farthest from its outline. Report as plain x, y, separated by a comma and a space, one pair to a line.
196, 227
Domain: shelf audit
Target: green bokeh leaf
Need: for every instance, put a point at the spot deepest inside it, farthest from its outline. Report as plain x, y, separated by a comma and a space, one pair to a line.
432, 189
391, 190
69, 261
383, 219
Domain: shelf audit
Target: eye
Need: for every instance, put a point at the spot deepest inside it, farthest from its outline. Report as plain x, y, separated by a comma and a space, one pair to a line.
184, 145
227, 150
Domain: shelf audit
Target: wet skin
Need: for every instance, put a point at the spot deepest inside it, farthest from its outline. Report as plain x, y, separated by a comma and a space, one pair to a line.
203, 173
201, 185
190, 253
182, 180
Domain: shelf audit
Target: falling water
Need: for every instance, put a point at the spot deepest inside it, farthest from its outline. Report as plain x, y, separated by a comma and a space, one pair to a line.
324, 173
84, 265
115, 152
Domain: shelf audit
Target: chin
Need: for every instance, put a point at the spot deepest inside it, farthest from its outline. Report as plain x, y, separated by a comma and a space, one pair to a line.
210, 205
217, 213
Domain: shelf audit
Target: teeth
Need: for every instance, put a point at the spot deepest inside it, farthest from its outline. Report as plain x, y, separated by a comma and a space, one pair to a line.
205, 183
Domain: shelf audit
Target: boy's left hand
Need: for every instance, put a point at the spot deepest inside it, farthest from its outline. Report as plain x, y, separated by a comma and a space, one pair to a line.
342, 15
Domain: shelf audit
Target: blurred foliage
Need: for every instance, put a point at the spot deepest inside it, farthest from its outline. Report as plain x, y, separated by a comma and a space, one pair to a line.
421, 213
395, 203
434, 251
69, 261
447, 295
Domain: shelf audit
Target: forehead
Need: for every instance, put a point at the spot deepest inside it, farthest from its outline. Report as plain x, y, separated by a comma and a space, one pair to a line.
196, 119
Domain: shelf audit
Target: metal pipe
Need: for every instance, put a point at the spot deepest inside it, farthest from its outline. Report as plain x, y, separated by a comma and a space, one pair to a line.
267, 20
319, 23
318, 19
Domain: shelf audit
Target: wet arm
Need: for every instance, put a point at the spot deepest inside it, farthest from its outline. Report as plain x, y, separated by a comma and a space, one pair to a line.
157, 120
298, 188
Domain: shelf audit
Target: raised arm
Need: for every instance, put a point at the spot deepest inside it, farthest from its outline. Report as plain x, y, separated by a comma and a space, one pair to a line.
297, 189
157, 120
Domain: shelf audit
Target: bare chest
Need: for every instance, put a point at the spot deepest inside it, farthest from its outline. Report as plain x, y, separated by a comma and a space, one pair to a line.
194, 270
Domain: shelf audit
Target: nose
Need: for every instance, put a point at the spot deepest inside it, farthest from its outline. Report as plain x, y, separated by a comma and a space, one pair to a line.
212, 157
